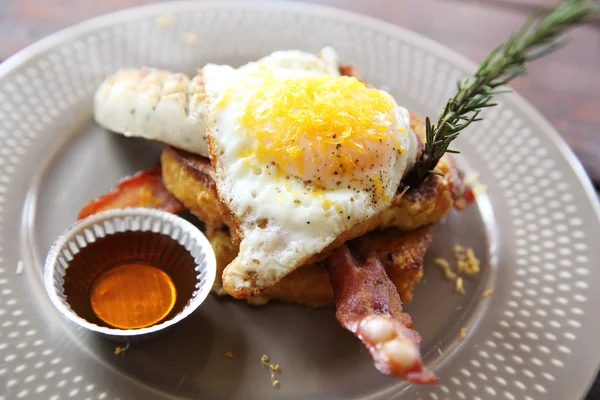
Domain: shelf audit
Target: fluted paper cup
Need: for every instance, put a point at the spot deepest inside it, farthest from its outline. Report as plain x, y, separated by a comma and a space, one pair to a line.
114, 237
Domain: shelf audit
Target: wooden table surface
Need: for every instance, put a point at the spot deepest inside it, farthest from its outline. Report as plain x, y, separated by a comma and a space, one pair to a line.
565, 86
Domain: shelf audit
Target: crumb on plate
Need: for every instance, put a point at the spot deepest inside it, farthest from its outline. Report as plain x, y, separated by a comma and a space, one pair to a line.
273, 368
445, 265
487, 292
472, 265
458, 286
466, 262
229, 354
164, 20
463, 332
466, 265
190, 38
121, 350
20, 267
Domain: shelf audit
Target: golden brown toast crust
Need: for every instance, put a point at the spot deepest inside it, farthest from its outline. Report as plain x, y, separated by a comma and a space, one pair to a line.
402, 254
190, 178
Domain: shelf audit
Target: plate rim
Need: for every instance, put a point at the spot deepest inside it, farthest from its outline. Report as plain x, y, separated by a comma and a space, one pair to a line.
13, 62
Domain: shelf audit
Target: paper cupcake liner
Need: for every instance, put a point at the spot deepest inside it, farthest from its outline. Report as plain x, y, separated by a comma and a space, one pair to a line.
155, 237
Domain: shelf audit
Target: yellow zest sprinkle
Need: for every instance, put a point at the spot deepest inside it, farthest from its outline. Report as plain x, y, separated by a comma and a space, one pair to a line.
190, 38
229, 354
327, 204
472, 179
466, 262
288, 188
445, 265
399, 147
463, 332
479, 190
459, 254
295, 118
472, 263
379, 188
164, 20
121, 350
458, 288
273, 368
487, 292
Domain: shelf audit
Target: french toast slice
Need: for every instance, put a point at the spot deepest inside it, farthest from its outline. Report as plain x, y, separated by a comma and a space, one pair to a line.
401, 252
190, 178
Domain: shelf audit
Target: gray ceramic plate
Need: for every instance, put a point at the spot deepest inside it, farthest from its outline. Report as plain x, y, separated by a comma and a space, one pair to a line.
535, 230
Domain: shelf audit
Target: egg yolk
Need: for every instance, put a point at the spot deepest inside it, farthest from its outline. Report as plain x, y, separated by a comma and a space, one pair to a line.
320, 127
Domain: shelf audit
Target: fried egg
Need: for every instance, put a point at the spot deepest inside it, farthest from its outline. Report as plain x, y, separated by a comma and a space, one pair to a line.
301, 155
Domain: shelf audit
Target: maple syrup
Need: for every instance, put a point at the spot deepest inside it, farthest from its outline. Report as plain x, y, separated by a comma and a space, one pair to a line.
130, 280
133, 296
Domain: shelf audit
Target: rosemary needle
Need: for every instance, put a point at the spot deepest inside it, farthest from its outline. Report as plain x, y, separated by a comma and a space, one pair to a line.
540, 35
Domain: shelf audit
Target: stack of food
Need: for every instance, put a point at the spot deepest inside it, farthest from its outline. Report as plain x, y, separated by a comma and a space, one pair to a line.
296, 168
314, 188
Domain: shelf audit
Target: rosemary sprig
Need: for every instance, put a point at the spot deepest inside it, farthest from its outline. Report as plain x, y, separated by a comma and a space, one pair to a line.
539, 36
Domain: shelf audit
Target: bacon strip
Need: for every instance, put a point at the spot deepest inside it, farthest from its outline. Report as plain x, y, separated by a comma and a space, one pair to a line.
369, 306
144, 189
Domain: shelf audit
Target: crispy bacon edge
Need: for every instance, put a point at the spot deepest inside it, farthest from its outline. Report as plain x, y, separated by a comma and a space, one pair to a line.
144, 189
369, 306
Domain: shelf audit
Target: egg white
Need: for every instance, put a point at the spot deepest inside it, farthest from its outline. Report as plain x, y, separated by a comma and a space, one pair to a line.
283, 221
154, 104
